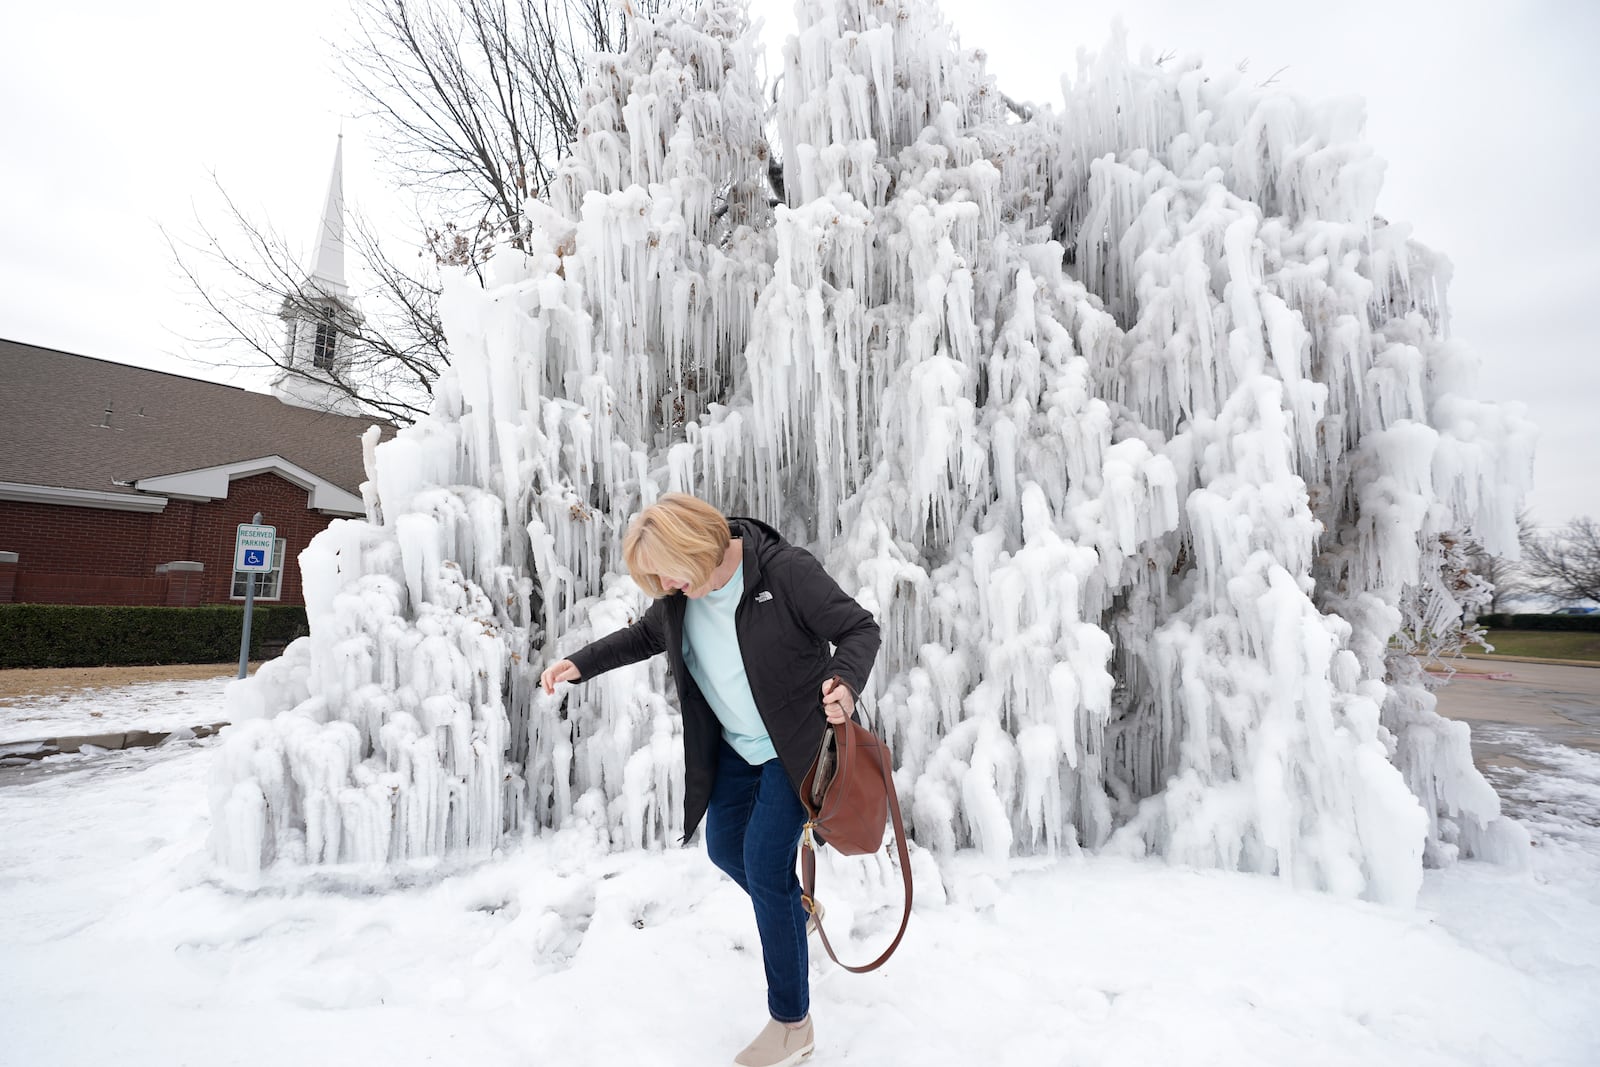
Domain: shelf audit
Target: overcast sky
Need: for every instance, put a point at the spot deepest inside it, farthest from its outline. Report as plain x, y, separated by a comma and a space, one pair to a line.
115, 116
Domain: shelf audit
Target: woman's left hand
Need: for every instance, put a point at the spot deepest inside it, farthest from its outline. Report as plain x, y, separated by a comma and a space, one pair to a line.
837, 701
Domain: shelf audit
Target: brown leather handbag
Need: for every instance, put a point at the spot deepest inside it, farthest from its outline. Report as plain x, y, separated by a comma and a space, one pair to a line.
849, 797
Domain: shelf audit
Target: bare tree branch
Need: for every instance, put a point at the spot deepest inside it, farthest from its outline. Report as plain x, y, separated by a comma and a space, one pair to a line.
476, 102
1566, 565
1272, 79
249, 283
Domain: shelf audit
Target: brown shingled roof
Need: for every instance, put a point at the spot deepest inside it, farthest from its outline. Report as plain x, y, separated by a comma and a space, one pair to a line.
55, 430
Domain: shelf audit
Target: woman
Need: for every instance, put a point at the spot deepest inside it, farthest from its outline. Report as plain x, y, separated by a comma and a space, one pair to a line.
746, 620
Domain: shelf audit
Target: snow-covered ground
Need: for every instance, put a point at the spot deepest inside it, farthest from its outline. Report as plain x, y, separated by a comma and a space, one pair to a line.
154, 706
121, 944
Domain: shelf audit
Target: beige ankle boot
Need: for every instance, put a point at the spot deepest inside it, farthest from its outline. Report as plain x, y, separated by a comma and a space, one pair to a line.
777, 1045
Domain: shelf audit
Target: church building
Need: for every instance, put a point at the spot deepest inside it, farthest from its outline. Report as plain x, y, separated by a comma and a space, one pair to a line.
121, 485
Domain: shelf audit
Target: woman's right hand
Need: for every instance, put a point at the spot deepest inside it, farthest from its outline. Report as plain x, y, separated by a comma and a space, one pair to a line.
560, 671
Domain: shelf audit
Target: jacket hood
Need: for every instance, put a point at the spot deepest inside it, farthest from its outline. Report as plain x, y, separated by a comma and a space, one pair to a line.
760, 543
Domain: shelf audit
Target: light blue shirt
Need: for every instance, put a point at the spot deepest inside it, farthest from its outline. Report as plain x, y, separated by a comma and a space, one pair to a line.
711, 652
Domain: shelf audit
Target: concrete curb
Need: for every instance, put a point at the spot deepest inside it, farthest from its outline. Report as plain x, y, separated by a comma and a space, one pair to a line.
1533, 659
17, 753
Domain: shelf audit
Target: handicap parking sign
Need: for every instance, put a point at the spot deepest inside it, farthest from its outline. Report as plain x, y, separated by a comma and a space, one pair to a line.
252, 550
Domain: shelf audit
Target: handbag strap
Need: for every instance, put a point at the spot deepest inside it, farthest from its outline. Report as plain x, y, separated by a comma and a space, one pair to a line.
808, 868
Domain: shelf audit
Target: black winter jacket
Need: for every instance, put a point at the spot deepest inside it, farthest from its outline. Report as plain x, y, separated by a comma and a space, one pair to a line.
790, 611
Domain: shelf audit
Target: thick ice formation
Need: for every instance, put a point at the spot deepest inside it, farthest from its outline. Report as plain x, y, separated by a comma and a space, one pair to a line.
1133, 423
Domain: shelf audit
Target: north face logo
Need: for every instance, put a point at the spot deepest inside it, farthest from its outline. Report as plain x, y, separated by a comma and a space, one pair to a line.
763, 596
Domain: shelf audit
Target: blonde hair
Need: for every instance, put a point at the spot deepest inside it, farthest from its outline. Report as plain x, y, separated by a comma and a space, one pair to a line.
679, 535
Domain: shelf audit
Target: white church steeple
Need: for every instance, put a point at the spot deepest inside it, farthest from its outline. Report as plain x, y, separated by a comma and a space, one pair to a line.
320, 318
329, 270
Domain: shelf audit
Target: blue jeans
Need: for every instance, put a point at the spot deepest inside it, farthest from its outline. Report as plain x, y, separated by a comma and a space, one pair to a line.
752, 832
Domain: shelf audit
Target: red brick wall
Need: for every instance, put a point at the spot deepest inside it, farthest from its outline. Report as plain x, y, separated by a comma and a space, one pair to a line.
70, 555
55, 587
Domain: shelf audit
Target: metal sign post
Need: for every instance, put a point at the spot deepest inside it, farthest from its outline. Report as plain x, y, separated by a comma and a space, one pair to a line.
253, 547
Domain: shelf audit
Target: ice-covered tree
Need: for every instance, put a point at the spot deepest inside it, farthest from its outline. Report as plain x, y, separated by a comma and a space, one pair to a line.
1132, 421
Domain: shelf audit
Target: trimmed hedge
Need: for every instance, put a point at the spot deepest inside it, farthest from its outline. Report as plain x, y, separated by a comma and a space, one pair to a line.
1508, 621
74, 635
